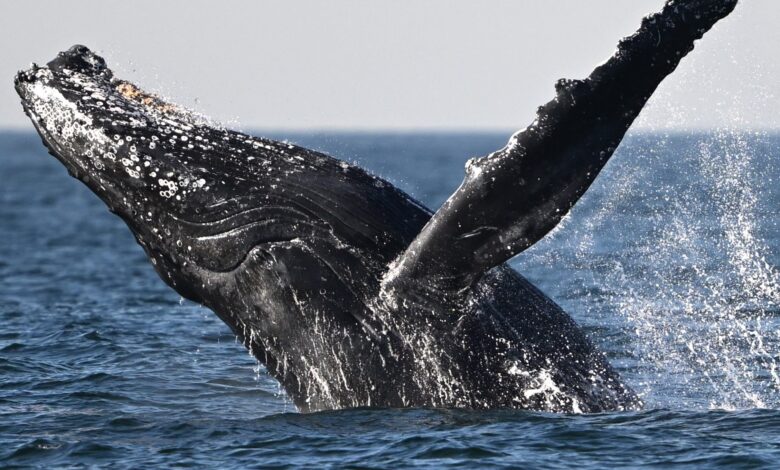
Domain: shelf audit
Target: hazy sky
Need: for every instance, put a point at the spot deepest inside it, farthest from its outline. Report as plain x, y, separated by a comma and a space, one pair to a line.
400, 64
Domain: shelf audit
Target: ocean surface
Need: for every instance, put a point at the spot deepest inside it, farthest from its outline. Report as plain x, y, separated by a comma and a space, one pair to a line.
670, 263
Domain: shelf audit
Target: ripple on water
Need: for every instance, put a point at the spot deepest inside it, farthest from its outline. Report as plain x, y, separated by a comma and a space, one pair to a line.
101, 365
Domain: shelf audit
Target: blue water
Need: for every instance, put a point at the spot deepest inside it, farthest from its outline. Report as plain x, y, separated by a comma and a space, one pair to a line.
670, 263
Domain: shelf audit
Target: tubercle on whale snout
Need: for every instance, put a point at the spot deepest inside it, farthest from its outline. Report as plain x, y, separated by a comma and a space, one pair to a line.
80, 58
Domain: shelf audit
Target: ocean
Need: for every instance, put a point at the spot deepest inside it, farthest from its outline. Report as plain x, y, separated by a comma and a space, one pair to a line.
670, 262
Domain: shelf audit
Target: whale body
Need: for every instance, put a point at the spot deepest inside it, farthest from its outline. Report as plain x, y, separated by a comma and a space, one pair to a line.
350, 292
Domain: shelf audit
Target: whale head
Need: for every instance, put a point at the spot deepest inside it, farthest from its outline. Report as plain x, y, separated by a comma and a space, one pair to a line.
167, 172
285, 244
200, 198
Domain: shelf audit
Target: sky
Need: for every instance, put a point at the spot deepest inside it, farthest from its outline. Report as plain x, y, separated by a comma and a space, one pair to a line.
400, 65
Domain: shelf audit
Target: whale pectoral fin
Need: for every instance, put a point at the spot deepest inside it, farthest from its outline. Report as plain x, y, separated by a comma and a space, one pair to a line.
513, 197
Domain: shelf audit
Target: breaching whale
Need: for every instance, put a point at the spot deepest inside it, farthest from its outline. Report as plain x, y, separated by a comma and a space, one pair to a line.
349, 291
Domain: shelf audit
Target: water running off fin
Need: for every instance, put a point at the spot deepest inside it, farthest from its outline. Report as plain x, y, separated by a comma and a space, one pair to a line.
513, 197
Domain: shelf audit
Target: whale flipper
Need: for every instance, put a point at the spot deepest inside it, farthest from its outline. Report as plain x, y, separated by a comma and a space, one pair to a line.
511, 198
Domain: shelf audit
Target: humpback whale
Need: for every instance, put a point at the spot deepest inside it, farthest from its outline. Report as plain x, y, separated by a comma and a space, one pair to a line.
350, 292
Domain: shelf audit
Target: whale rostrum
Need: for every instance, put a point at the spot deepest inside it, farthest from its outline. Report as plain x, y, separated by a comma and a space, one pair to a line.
350, 292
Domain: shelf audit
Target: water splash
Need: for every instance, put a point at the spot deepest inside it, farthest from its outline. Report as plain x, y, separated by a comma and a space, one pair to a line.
693, 281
